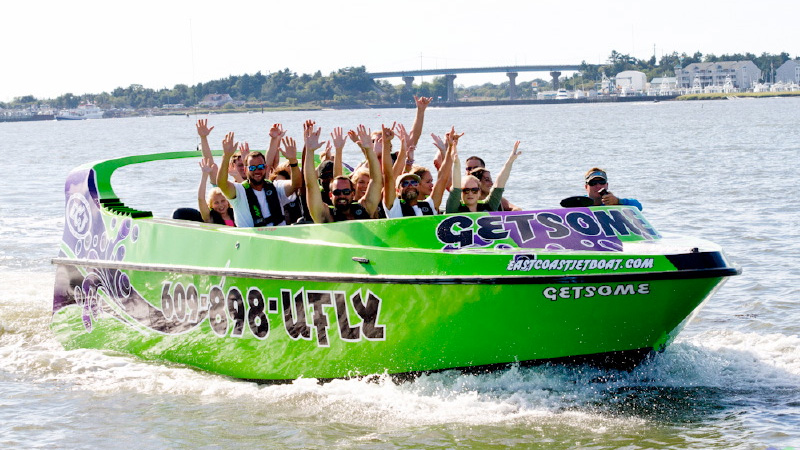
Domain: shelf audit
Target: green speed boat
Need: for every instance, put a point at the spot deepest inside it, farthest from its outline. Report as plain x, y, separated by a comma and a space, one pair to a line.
396, 296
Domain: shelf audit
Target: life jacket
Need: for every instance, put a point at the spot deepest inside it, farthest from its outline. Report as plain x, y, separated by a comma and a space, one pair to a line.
273, 203
293, 211
408, 210
356, 210
217, 217
480, 207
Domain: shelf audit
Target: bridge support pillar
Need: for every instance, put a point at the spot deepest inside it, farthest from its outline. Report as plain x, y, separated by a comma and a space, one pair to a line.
451, 90
555, 76
409, 81
512, 85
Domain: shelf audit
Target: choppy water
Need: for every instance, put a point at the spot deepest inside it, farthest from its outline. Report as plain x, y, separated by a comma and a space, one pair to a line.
724, 170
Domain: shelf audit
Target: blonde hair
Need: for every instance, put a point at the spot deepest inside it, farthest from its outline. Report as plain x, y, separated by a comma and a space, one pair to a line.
210, 197
469, 177
357, 174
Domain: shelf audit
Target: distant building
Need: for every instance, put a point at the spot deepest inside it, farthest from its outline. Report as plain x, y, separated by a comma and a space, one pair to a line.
663, 86
742, 75
631, 81
215, 100
788, 72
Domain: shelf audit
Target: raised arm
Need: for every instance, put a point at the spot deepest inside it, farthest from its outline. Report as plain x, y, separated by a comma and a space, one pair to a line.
339, 139
454, 200
318, 209
276, 133
402, 163
416, 129
443, 178
202, 204
228, 149
291, 155
373, 195
203, 131
503, 176
389, 174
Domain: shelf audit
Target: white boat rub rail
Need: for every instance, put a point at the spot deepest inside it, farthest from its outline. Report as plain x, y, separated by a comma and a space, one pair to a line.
712, 272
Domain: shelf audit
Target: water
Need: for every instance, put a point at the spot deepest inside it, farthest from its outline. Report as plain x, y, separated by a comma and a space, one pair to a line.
721, 170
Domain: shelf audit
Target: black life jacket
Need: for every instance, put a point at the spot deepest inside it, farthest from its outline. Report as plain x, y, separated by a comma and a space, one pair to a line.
273, 203
293, 211
480, 207
217, 217
356, 210
408, 210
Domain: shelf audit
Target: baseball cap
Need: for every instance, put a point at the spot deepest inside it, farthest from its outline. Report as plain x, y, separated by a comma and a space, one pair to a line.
596, 174
407, 176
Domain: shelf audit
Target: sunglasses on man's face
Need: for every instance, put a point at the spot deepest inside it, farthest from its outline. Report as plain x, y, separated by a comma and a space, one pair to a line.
597, 181
471, 168
473, 190
258, 167
342, 191
406, 183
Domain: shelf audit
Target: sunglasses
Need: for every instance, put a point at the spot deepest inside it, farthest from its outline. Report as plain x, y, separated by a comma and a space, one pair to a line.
258, 167
470, 169
342, 191
405, 183
473, 190
597, 181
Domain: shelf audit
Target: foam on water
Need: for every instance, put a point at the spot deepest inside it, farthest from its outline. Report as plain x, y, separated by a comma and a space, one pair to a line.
542, 396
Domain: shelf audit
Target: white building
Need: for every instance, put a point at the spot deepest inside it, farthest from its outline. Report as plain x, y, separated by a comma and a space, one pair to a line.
631, 81
215, 100
789, 72
743, 74
663, 86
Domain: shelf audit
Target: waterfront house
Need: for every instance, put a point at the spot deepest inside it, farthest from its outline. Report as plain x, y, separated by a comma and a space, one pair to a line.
215, 100
742, 74
789, 72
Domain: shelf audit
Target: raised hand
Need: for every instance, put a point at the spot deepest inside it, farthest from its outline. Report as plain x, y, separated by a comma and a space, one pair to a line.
291, 150
514, 153
244, 149
361, 137
327, 154
277, 131
422, 102
405, 139
452, 137
311, 136
388, 133
228, 145
207, 167
202, 128
338, 138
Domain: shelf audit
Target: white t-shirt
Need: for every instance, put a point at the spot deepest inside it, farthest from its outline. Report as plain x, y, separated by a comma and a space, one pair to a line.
397, 210
241, 210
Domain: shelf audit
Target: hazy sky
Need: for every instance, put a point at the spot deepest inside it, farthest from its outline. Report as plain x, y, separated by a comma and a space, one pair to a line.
51, 48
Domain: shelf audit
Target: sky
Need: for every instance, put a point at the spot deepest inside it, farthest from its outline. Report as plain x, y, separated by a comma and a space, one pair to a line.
51, 48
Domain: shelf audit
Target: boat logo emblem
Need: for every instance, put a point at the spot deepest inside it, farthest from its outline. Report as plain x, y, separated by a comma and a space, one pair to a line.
78, 215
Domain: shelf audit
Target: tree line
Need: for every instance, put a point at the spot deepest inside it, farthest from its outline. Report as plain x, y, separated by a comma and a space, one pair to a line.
352, 86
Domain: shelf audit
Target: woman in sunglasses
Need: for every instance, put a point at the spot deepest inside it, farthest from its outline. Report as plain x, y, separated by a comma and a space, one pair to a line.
467, 198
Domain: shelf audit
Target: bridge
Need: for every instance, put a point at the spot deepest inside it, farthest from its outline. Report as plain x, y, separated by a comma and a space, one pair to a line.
450, 75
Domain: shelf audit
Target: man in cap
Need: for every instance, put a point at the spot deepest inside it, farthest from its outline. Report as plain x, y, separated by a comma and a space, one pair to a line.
596, 184
325, 174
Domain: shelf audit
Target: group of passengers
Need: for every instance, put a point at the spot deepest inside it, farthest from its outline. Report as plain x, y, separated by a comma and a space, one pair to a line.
253, 189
